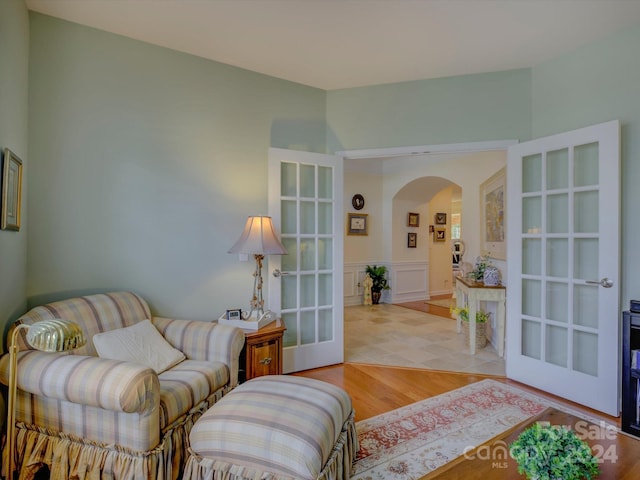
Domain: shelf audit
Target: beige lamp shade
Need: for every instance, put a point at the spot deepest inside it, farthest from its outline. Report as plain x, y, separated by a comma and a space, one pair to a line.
258, 238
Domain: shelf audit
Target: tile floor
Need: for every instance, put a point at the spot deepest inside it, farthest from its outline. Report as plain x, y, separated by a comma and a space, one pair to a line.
392, 335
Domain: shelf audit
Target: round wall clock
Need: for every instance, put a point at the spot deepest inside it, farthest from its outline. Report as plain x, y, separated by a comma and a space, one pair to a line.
357, 201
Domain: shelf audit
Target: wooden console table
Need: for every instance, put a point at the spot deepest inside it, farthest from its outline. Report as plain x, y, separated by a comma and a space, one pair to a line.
475, 292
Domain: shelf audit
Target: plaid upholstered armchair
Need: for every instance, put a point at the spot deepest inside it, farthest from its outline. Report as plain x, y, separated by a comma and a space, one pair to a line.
87, 416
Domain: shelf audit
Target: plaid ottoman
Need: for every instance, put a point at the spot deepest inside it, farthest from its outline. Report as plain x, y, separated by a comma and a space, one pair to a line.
275, 427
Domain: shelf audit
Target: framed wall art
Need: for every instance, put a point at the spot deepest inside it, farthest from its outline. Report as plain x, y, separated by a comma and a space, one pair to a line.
413, 219
357, 224
493, 209
412, 240
441, 219
440, 235
11, 191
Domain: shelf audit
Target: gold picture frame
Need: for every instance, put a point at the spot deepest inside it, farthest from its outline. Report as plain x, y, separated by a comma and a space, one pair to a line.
493, 215
357, 224
11, 191
413, 219
440, 234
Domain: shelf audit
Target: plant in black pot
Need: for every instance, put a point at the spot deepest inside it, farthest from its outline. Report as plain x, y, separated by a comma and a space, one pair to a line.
378, 275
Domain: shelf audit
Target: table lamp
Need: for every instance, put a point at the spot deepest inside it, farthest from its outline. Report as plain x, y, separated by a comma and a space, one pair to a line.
258, 239
53, 335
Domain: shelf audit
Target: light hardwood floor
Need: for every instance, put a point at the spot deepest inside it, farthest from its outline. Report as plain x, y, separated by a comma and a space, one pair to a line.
375, 389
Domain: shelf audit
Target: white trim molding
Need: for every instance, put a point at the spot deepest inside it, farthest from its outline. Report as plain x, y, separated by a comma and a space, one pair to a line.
409, 282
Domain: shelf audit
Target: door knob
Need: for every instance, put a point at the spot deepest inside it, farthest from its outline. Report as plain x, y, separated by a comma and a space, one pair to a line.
605, 282
277, 273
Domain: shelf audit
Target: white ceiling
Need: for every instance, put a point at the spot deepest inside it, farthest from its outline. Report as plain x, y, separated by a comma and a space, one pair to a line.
332, 44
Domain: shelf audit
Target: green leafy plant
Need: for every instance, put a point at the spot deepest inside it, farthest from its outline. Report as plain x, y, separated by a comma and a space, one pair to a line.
463, 312
378, 275
551, 452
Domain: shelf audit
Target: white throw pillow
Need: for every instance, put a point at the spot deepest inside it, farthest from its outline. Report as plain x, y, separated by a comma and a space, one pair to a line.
140, 343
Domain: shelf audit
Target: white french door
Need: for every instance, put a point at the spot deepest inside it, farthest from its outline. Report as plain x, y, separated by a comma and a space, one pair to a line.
305, 202
563, 265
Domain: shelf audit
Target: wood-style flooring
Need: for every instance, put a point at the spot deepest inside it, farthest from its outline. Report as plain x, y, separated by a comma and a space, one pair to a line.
376, 389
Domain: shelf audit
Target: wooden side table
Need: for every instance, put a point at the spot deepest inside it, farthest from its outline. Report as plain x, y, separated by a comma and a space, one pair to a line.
475, 292
262, 352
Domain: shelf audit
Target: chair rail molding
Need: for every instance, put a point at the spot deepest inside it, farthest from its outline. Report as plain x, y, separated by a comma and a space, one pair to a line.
409, 282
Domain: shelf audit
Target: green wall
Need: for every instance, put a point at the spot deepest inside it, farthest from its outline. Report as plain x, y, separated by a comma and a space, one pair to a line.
14, 68
145, 163
488, 106
594, 84
14, 63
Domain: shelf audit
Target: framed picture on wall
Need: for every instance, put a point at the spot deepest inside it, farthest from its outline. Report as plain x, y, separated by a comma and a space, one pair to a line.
413, 219
493, 209
11, 191
441, 219
440, 234
412, 240
357, 224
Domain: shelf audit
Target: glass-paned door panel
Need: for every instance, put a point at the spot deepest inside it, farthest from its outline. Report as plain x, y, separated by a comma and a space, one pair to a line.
307, 217
531, 339
307, 254
325, 325
289, 179
556, 345
289, 217
325, 289
557, 257
325, 218
532, 178
586, 258
531, 255
305, 199
289, 262
307, 181
307, 327
557, 308
585, 352
290, 337
586, 165
307, 290
289, 293
532, 215
586, 212
557, 213
531, 297
325, 253
561, 315
325, 183
558, 169
585, 305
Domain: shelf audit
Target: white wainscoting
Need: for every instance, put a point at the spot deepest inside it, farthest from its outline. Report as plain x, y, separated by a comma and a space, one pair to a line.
409, 282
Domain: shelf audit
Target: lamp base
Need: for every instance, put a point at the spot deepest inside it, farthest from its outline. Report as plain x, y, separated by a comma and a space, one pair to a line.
252, 323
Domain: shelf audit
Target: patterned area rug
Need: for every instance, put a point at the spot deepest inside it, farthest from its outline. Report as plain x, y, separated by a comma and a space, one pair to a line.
409, 442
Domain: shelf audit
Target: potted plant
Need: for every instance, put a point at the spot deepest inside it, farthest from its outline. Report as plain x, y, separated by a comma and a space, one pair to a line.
482, 318
482, 262
378, 275
552, 452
